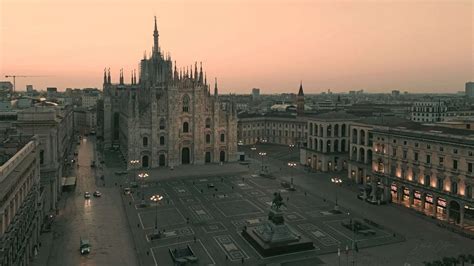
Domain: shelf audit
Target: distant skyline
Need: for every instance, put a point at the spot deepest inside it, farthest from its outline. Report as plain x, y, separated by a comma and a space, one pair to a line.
377, 46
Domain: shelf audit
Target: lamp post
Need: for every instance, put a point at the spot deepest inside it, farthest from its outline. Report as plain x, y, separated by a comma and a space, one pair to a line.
133, 164
337, 181
262, 154
292, 165
253, 148
156, 198
142, 177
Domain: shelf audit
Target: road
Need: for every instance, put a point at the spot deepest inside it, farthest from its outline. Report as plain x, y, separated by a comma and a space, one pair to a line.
101, 220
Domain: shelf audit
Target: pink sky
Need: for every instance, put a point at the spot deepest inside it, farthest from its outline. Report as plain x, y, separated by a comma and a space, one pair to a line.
419, 46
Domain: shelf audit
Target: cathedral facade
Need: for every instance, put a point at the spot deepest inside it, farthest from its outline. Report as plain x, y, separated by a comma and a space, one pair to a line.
165, 117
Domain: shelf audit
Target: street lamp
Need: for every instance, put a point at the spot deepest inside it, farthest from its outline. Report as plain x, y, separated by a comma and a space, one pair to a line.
133, 164
337, 181
253, 148
292, 165
142, 177
156, 198
262, 154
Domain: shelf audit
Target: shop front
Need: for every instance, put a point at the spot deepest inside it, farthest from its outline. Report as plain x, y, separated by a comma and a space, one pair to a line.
441, 211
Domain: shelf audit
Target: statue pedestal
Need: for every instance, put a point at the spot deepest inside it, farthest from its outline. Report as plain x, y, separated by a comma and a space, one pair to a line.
274, 237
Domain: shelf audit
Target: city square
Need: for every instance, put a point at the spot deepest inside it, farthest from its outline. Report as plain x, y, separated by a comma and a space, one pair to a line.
191, 213
261, 133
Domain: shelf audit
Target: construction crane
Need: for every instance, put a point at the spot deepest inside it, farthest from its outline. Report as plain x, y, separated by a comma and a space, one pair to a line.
19, 76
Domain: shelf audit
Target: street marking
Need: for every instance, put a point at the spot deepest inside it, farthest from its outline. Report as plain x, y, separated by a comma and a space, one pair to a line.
231, 248
322, 236
154, 212
214, 228
153, 255
180, 243
258, 211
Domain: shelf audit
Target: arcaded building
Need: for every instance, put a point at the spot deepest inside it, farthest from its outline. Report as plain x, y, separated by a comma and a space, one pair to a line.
168, 116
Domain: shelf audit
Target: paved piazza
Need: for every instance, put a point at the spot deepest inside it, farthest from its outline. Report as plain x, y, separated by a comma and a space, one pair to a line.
208, 214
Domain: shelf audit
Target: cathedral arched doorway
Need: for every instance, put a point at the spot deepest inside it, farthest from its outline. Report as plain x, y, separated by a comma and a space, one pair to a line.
222, 156
208, 157
161, 160
185, 156
145, 161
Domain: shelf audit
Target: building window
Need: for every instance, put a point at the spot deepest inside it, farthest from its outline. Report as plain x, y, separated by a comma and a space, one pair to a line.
441, 149
185, 127
455, 151
469, 192
186, 103
455, 164
454, 187
405, 142
470, 153
469, 167
208, 122
145, 141
162, 140
416, 144
404, 154
427, 180
222, 137
439, 184
428, 146
41, 156
208, 138
428, 158
162, 123
416, 156
441, 161
394, 152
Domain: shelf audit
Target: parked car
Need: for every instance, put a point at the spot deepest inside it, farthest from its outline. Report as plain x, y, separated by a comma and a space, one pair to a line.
210, 185
85, 246
126, 191
87, 195
97, 194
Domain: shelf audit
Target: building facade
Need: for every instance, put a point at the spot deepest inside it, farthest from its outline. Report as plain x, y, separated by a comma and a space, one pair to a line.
429, 169
428, 111
328, 141
168, 117
54, 127
20, 203
272, 128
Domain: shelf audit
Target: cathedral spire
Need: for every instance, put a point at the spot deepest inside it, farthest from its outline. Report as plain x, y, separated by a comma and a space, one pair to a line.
300, 92
215, 87
175, 71
108, 78
200, 73
155, 40
131, 77
196, 77
105, 76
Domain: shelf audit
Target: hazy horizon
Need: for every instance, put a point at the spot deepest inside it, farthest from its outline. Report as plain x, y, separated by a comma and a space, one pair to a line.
377, 46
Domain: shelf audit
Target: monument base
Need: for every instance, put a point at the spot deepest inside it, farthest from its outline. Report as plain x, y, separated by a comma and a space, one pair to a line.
267, 249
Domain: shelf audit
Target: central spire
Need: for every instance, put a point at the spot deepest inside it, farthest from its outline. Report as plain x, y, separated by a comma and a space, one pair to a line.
155, 40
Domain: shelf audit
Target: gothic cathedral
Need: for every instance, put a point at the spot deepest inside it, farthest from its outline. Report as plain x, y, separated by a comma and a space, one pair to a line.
168, 117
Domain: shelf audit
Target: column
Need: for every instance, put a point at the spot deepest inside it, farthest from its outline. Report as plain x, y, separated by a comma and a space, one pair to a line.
423, 200
399, 193
461, 215
435, 205
412, 197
